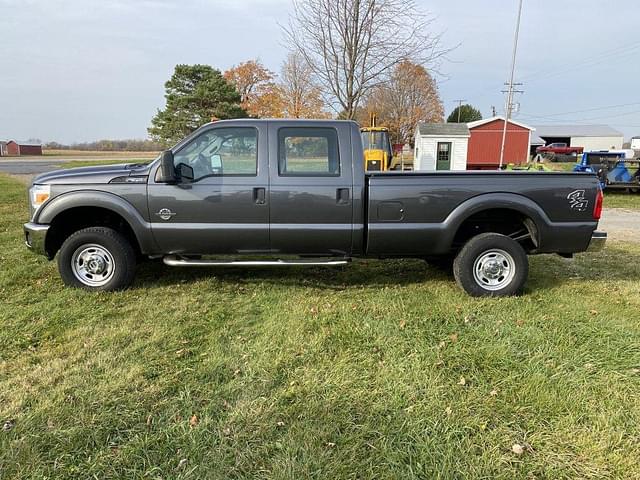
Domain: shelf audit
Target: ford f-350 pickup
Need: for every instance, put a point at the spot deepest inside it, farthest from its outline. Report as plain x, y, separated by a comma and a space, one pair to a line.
294, 192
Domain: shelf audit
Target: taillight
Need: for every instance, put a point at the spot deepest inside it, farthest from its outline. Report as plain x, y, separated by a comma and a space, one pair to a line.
597, 209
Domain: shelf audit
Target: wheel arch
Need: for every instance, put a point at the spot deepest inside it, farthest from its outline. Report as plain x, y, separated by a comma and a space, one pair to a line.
71, 212
496, 211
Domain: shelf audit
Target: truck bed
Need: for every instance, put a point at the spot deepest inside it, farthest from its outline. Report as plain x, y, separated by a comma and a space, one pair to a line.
420, 213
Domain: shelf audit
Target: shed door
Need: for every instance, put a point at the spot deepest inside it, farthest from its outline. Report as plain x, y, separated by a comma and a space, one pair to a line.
443, 159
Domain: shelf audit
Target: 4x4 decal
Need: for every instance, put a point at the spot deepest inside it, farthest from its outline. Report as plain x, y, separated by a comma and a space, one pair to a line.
577, 201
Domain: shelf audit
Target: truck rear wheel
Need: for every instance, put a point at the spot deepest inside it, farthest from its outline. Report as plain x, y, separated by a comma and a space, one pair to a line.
491, 265
97, 258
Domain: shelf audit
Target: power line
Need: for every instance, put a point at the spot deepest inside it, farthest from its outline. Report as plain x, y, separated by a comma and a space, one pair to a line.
511, 84
585, 119
592, 109
601, 57
585, 62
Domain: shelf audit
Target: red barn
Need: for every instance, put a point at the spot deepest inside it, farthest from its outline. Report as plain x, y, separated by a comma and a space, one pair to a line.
23, 148
485, 142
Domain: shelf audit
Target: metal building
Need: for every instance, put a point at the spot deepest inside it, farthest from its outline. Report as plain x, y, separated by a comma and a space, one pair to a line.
590, 137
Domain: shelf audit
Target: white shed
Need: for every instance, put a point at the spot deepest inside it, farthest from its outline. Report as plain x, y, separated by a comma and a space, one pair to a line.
441, 146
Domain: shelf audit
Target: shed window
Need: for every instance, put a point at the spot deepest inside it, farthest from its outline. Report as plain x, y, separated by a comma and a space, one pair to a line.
444, 151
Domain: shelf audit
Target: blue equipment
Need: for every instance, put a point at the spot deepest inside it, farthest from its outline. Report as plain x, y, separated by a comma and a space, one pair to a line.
614, 168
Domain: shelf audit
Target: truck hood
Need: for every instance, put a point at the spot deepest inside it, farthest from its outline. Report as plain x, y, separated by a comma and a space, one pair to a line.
99, 174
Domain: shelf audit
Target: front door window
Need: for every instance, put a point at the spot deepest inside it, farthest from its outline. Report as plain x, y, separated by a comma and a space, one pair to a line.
221, 151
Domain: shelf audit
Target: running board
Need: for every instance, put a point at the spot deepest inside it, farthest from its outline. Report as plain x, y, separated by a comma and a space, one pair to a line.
174, 261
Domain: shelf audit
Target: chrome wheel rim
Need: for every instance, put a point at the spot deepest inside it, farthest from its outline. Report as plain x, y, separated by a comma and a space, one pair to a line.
494, 269
93, 265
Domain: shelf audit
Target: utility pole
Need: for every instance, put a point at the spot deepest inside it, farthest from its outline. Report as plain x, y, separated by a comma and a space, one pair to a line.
510, 85
459, 107
493, 111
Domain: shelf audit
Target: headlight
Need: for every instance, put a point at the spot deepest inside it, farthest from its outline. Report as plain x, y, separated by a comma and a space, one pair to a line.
38, 194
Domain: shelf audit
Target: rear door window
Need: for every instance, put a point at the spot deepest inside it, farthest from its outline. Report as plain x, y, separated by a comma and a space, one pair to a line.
306, 151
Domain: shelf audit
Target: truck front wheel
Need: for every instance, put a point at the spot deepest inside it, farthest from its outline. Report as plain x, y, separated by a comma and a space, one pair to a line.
97, 258
491, 265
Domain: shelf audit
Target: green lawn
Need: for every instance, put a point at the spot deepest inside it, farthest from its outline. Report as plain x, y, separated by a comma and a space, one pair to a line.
613, 199
376, 370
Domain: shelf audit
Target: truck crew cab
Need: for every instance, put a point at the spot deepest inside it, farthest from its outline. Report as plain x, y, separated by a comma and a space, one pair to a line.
257, 192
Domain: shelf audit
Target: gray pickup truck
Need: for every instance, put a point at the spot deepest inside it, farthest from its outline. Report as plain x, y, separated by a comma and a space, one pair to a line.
294, 192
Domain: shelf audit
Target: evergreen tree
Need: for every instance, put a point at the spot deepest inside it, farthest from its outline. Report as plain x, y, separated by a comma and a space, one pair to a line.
195, 94
467, 114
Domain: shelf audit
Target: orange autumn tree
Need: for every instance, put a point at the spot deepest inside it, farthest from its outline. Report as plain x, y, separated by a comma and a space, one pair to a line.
409, 96
260, 95
301, 97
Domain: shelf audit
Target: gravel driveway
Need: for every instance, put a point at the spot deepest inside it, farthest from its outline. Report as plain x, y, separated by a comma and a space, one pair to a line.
621, 224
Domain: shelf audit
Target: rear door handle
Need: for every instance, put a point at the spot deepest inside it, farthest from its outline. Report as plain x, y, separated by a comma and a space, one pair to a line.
259, 196
342, 196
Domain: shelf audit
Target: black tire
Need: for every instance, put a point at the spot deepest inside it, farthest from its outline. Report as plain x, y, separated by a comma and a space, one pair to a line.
491, 265
91, 248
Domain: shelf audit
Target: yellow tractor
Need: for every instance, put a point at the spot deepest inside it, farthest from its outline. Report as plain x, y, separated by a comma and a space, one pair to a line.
378, 154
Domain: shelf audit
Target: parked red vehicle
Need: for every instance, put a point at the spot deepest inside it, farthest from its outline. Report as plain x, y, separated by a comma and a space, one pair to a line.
560, 149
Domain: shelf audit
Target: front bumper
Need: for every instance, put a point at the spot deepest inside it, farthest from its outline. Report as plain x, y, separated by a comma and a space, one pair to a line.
34, 237
598, 239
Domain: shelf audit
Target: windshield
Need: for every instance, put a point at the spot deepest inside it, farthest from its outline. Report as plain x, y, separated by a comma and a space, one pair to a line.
374, 140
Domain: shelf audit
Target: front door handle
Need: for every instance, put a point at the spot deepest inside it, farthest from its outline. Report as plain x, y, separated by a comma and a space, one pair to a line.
342, 196
259, 196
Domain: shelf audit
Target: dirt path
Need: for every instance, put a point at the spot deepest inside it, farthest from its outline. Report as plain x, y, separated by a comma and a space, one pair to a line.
621, 224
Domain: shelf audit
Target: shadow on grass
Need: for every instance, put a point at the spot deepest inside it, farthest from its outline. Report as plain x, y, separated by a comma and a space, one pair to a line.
547, 271
361, 273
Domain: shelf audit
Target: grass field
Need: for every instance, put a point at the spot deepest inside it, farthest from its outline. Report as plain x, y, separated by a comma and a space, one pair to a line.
93, 163
613, 199
377, 370
98, 154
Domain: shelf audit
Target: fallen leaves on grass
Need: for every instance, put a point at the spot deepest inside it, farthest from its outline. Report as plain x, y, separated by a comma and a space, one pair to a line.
517, 449
453, 337
493, 392
193, 421
402, 324
462, 381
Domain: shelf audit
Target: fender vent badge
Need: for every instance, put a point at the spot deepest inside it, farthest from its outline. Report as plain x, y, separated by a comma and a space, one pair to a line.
165, 214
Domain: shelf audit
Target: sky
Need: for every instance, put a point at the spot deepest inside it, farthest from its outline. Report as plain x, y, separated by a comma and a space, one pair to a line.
83, 70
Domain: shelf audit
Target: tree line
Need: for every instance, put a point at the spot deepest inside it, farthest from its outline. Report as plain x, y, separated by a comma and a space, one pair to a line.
128, 145
346, 59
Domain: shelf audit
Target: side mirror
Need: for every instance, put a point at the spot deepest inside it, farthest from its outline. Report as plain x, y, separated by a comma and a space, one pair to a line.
166, 172
185, 172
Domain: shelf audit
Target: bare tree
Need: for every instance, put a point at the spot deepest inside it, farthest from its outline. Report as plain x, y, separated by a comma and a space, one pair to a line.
353, 45
410, 96
302, 98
